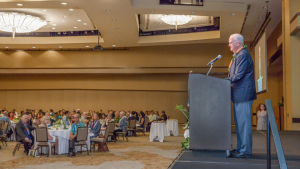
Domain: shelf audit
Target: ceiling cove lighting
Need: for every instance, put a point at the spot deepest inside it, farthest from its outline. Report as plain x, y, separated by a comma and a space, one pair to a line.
20, 23
176, 19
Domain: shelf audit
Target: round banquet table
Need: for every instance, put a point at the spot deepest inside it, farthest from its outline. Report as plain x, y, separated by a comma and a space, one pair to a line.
63, 140
159, 130
172, 127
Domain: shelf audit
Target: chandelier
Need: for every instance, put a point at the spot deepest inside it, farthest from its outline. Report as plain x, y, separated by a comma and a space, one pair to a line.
176, 19
20, 23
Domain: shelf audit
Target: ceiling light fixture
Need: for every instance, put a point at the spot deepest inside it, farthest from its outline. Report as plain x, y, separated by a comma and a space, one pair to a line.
33, 47
71, 9
193, 12
54, 24
117, 28
233, 14
64, 3
75, 27
20, 4
79, 20
108, 10
114, 45
6, 46
20, 22
84, 23
53, 28
44, 10
87, 46
113, 20
176, 19
152, 11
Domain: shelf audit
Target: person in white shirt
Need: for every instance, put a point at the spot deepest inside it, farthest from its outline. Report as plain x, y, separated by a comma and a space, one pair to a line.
152, 117
84, 119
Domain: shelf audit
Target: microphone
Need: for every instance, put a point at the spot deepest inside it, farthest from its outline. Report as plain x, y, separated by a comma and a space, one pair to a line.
212, 61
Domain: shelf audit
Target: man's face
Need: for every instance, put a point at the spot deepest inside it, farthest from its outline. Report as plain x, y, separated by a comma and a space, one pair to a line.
76, 118
85, 115
233, 45
48, 114
25, 118
121, 115
55, 115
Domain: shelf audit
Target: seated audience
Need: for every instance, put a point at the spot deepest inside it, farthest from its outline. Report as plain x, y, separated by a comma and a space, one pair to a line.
122, 124
29, 122
11, 116
57, 116
102, 119
66, 118
109, 119
142, 121
164, 116
73, 134
117, 117
95, 126
152, 117
156, 114
5, 118
132, 116
84, 119
23, 133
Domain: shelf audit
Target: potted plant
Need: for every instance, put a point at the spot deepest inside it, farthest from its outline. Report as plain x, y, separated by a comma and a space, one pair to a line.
186, 141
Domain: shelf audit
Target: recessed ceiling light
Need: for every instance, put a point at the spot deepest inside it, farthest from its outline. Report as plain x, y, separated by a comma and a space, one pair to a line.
169, 43
256, 25
114, 20
6, 46
119, 34
54, 24
198, 41
84, 23
20, 4
44, 10
260, 17
53, 28
63, 21
33, 47
65, 16
75, 27
233, 14
60, 46
114, 45
117, 28
265, 7
64, 3
231, 24
87, 46
229, 32
79, 20
152, 11
71, 9
108, 10
193, 12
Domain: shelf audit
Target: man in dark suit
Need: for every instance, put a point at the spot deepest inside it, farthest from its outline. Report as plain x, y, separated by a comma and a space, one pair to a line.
243, 92
23, 133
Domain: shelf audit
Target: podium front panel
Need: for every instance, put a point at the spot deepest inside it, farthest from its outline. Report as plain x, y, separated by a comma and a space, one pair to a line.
210, 112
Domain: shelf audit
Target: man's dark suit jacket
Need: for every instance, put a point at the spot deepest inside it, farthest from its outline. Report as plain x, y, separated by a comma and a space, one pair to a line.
21, 131
241, 75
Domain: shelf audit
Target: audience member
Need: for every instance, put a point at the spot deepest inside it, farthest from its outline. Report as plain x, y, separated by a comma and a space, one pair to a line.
164, 116
152, 117
84, 119
5, 118
102, 119
95, 126
122, 124
57, 116
73, 134
11, 115
66, 118
262, 115
23, 133
117, 117
142, 121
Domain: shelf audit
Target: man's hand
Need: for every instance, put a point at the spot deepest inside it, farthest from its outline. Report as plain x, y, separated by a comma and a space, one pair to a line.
27, 139
72, 136
191, 72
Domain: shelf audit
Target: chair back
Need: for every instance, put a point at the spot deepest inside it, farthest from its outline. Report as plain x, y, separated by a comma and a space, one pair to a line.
132, 124
127, 126
146, 122
106, 132
1, 124
82, 133
4, 128
14, 132
111, 126
41, 134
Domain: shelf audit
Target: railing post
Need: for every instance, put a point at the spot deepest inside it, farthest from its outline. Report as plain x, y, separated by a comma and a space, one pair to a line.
269, 146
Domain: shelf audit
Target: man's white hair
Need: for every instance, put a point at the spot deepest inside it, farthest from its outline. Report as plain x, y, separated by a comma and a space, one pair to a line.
5, 113
122, 112
238, 37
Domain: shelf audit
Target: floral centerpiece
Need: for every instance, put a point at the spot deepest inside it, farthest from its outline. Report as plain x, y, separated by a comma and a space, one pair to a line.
60, 124
16, 119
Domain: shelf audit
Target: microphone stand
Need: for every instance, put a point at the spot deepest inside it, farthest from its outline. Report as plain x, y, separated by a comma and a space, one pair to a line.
211, 65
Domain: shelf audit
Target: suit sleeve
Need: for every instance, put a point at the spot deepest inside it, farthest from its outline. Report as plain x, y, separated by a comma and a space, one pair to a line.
20, 132
240, 69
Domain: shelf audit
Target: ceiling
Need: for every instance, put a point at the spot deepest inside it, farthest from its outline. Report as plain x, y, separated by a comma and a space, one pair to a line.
118, 24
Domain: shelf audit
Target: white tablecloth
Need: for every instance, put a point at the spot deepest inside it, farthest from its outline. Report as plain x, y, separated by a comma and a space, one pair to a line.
63, 140
172, 126
158, 129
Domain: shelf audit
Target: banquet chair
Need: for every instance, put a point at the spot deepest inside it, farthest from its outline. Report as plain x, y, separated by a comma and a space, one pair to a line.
42, 140
111, 130
3, 136
82, 136
18, 144
101, 141
123, 133
142, 130
132, 127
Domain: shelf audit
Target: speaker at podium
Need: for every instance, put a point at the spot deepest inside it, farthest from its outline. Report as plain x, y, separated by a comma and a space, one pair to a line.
210, 112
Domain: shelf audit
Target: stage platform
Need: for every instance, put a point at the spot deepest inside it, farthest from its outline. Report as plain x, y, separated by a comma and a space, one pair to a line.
190, 159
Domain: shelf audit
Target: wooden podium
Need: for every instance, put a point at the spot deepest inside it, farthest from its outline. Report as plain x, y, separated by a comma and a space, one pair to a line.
210, 112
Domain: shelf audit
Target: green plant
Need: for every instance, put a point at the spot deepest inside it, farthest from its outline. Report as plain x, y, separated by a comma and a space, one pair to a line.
281, 104
186, 143
185, 113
